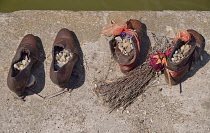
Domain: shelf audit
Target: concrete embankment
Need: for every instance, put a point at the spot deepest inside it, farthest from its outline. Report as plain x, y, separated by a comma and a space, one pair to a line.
159, 109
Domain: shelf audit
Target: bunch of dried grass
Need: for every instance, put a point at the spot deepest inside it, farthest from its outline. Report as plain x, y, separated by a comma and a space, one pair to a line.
124, 90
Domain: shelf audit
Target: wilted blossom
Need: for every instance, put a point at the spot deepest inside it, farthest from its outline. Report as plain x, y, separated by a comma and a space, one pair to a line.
153, 64
183, 35
115, 29
157, 61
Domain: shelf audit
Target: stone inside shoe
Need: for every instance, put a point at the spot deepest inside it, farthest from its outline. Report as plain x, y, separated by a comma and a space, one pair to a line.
125, 44
62, 56
21, 64
181, 53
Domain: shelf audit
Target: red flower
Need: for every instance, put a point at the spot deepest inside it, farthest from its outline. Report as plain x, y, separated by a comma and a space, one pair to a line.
157, 61
157, 67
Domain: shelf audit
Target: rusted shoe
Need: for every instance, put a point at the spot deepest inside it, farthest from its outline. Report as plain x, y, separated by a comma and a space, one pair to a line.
187, 49
19, 77
200, 45
64, 57
125, 48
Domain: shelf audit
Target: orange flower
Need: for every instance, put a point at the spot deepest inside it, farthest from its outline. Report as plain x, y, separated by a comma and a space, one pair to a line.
183, 35
116, 28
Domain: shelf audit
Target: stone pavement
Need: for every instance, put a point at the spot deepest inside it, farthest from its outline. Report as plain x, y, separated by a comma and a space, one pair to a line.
159, 109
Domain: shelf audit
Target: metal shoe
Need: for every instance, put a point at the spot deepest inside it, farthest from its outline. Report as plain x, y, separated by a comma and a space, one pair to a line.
64, 57
128, 61
175, 71
19, 77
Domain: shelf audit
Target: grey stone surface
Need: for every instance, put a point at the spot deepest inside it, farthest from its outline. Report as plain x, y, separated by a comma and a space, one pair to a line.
159, 109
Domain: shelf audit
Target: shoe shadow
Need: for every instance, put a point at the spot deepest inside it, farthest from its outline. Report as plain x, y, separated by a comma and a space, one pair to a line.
77, 78
144, 47
39, 71
197, 66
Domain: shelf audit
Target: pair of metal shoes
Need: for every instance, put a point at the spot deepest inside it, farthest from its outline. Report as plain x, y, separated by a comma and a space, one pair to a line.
174, 71
64, 57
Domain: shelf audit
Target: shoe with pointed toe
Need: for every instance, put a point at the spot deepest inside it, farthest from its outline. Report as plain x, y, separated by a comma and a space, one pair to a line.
26, 57
64, 57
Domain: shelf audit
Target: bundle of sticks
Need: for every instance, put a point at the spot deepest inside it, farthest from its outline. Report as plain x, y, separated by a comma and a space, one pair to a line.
123, 91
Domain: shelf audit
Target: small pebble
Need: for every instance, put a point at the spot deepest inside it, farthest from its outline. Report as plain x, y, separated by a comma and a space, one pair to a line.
120, 46
64, 54
118, 38
67, 58
125, 53
128, 49
175, 58
186, 50
60, 64
57, 58
24, 62
182, 56
182, 48
126, 43
15, 66
172, 59
175, 55
67, 53
62, 59
60, 54
21, 67
71, 54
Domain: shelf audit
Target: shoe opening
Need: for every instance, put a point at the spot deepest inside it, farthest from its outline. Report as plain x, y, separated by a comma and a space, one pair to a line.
181, 51
61, 57
123, 48
21, 63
